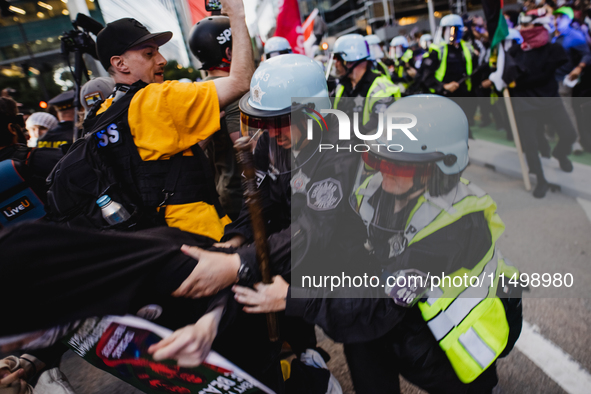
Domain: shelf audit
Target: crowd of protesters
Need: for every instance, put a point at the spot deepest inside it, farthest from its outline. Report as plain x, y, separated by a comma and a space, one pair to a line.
544, 57
160, 154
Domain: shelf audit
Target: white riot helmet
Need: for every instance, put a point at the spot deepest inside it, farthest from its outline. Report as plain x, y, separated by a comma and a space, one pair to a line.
276, 46
399, 41
425, 41
453, 28
397, 46
375, 49
282, 88
396, 169
351, 48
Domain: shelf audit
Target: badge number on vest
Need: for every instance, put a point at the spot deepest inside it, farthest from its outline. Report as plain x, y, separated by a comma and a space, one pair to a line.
17, 208
110, 135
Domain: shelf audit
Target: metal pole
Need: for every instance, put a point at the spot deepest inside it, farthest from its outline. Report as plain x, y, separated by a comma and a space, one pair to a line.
386, 11
431, 10
329, 66
511, 114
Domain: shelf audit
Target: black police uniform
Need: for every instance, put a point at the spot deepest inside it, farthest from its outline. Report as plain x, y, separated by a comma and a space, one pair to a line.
299, 226
456, 70
63, 133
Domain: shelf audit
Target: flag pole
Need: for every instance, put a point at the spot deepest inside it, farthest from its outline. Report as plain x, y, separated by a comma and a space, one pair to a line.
511, 114
432, 24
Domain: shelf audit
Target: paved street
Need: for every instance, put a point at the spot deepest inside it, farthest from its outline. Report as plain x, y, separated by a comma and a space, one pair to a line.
552, 235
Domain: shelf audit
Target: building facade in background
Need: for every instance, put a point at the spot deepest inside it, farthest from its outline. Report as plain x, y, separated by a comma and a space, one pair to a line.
31, 60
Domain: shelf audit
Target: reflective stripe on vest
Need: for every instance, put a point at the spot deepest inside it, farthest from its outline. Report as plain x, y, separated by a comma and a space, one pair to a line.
338, 95
380, 88
440, 73
406, 56
457, 311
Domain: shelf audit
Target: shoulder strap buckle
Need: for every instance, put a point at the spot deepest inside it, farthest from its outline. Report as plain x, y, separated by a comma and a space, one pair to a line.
167, 195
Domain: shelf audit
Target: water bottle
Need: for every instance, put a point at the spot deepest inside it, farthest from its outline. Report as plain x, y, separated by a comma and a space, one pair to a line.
113, 212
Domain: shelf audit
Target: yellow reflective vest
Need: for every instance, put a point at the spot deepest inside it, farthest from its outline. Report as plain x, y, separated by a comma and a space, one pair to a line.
380, 88
469, 323
442, 51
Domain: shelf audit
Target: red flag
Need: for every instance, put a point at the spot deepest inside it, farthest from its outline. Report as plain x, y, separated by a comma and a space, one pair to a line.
197, 8
289, 25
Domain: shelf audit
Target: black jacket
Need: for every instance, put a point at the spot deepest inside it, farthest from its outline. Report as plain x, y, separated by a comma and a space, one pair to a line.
303, 220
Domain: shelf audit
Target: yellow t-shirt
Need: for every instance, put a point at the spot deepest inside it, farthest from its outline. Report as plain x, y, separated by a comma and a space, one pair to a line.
169, 118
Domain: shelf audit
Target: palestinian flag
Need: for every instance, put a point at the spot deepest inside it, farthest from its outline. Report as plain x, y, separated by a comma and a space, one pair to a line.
495, 21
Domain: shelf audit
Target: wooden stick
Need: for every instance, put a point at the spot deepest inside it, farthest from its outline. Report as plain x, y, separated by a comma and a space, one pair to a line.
524, 168
243, 148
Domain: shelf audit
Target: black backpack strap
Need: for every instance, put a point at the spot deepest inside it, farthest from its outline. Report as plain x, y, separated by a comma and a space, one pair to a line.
172, 178
114, 111
209, 177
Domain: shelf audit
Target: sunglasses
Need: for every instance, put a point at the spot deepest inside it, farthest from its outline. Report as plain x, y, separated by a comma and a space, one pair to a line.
395, 169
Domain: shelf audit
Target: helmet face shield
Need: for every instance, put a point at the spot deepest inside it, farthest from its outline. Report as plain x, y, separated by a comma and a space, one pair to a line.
425, 43
376, 51
273, 134
395, 169
453, 34
277, 53
385, 189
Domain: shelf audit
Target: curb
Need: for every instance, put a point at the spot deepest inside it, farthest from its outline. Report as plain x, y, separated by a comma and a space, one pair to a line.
504, 160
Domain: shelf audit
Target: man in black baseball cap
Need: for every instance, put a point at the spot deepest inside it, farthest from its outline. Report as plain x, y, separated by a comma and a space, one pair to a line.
126, 46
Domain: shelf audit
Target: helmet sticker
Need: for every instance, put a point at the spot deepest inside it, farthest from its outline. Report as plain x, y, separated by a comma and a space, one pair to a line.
325, 195
256, 93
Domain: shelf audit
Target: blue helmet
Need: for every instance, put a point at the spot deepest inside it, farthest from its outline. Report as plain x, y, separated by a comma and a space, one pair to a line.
276, 46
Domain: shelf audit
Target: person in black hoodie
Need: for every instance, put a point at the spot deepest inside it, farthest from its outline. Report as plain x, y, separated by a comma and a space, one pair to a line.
539, 59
